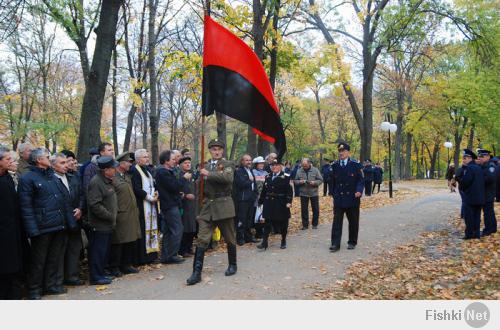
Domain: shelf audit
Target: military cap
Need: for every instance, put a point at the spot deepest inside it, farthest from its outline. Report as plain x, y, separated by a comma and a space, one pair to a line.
183, 159
469, 153
216, 143
483, 152
124, 157
93, 151
276, 162
106, 162
343, 146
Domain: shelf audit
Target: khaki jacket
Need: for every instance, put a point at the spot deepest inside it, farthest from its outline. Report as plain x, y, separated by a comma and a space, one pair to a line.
102, 203
218, 203
128, 228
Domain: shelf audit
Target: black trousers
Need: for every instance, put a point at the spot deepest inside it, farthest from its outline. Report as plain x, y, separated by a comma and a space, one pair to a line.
187, 243
338, 220
11, 287
123, 255
368, 188
472, 216
46, 261
74, 247
490, 220
99, 247
244, 220
304, 208
373, 188
325, 188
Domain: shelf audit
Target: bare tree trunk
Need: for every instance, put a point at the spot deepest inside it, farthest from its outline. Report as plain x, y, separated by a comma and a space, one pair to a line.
236, 137
470, 141
114, 105
93, 99
407, 172
221, 129
153, 112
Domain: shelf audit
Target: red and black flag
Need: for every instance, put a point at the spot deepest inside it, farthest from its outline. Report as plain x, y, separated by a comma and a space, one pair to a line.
235, 83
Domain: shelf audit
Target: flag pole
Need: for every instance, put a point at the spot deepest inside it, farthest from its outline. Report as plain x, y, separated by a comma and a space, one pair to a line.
202, 144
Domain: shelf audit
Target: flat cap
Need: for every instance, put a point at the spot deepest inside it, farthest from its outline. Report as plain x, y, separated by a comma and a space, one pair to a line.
124, 157
93, 151
216, 143
106, 162
343, 146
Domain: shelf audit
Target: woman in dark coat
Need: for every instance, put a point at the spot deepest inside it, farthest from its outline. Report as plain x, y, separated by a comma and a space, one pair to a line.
277, 197
11, 244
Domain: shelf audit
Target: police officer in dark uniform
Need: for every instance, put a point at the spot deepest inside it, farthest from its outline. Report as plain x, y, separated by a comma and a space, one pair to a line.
346, 186
217, 210
369, 173
489, 171
471, 184
277, 197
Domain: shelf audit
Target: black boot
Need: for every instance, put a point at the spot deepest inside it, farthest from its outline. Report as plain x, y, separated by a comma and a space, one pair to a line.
283, 238
199, 254
231, 256
265, 237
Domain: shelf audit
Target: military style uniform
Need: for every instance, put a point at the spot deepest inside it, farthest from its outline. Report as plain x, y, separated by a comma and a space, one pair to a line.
276, 194
489, 172
471, 184
218, 206
346, 180
217, 211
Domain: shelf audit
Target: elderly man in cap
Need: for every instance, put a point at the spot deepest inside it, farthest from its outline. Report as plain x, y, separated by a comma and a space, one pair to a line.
128, 229
489, 171
470, 178
346, 186
217, 210
102, 210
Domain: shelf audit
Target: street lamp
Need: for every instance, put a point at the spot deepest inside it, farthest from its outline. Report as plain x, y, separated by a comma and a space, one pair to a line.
448, 145
389, 128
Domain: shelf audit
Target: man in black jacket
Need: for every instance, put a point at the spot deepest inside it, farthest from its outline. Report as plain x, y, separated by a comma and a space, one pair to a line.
170, 193
11, 245
71, 183
46, 215
245, 194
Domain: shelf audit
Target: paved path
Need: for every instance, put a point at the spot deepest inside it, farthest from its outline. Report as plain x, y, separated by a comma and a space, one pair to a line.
290, 273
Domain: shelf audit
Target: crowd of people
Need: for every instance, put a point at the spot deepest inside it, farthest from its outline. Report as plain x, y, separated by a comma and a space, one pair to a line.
118, 213
479, 185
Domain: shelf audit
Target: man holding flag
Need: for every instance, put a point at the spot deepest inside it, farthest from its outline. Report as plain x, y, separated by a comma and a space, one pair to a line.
235, 84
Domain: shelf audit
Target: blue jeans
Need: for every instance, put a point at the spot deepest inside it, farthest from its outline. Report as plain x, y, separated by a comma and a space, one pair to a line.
172, 229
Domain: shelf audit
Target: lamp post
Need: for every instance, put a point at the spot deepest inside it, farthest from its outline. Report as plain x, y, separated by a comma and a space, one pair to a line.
448, 145
389, 128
